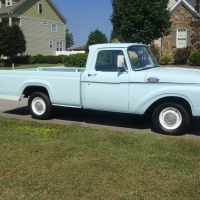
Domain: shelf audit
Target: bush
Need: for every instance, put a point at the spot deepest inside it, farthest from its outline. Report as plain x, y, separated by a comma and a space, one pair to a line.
38, 59
22, 59
2, 62
32, 60
75, 60
155, 49
49, 59
60, 58
195, 58
166, 59
181, 55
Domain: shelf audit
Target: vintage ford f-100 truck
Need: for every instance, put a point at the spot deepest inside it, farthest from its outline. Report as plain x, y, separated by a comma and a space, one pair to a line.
122, 78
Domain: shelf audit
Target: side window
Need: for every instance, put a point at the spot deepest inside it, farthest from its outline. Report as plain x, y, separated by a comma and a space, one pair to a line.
181, 37
54, 27
40, 8
8, 3
59, 46
51, 44
107, 61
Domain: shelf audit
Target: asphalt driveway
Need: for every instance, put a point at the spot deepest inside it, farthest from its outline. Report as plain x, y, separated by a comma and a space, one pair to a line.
93, 119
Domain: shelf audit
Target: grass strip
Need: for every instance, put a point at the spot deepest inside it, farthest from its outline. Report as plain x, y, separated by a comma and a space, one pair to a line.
48, 161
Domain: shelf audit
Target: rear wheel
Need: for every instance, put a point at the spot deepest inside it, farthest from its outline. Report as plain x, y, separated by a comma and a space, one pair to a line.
39, 105
171, 119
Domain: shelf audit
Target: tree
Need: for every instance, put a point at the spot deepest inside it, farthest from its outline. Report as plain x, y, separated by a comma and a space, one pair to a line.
95, 37
3, 38
69, 39
16, 42
140, 20
114, 38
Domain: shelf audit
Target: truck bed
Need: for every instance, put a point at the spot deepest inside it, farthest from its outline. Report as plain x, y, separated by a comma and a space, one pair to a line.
62, 84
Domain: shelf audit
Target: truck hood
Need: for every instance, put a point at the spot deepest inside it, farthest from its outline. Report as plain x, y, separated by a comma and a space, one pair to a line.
173, 75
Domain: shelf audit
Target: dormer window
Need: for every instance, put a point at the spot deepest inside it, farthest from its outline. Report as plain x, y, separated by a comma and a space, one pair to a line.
40, 8
8, 3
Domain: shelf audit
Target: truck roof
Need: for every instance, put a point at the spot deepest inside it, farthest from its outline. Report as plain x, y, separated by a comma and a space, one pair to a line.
115, 45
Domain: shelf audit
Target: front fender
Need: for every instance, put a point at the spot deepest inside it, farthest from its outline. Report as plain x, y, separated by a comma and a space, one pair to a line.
149, 93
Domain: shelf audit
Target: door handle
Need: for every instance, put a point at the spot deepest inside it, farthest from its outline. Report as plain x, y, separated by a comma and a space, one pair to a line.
92, 74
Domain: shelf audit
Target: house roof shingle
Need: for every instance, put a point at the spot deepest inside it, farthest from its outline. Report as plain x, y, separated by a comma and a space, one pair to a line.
81, 48
6, 10
188, 4
11, 8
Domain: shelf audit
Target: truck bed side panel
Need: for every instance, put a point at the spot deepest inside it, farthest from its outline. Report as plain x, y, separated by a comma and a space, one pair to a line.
63, 88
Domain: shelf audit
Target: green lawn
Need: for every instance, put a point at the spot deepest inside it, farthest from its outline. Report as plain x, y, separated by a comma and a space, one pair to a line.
30, 66
47, 161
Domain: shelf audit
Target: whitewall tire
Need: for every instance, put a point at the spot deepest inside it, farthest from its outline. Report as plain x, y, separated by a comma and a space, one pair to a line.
40, 105
171, 119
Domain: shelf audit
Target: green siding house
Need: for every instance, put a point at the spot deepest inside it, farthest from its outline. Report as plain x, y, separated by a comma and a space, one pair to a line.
41, 21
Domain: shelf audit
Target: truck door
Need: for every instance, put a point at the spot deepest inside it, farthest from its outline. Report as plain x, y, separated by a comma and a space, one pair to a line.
106, 84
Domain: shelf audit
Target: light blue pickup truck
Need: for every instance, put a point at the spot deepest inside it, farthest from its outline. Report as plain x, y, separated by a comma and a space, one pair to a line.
122, 78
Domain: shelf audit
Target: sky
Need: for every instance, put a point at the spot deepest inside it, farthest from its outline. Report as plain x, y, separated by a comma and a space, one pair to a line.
84, 16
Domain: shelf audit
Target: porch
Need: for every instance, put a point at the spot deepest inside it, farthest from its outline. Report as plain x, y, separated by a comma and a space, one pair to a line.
10, 21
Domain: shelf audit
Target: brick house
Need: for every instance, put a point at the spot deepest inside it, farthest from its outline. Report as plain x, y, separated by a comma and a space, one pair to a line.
183, 13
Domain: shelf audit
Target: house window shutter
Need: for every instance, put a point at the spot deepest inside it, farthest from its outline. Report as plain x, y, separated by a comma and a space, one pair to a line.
189, 33
173, 38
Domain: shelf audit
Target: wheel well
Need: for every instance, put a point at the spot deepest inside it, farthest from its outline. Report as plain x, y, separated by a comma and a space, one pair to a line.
178, 100
31, 89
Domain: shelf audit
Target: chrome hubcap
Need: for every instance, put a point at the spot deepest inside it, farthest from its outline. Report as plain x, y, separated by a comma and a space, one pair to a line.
38, 106
170, 118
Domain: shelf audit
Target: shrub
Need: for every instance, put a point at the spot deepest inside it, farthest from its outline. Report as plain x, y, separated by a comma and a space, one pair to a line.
22, 59
75, 60
2, 62
38, 59
166, 59
195, 58
50, 59
60, 58
32, 60
181, 55
155, 49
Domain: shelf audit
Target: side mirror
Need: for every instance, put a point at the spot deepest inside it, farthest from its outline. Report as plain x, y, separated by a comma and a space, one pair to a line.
120, 61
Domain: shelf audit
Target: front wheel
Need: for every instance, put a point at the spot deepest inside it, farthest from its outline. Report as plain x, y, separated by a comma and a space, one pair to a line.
170, 119
39, 105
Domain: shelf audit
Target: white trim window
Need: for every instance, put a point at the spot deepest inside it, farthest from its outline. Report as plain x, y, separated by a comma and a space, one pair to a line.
53, 27
40, 8
51, 44
59, 46
181, 37
8, 3
0, 4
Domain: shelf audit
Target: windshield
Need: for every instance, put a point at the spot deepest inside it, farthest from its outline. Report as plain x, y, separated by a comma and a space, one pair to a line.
141, 58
